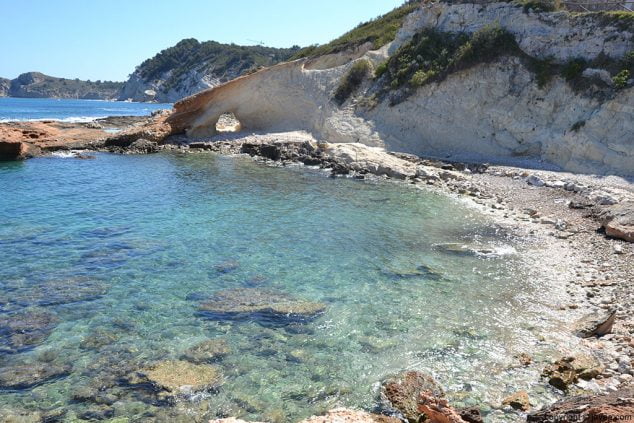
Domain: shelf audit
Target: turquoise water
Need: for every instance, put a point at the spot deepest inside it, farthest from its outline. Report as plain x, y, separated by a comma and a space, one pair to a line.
142, 236
71, 110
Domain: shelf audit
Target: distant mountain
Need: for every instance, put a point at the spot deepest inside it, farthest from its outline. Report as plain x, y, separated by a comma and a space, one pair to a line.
5, 85
38, 85
191, 66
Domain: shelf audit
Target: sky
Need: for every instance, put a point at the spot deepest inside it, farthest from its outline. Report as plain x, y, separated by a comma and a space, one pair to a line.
105, 40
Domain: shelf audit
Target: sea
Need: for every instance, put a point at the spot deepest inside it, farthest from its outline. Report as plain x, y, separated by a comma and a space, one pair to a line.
70, 110
107, 265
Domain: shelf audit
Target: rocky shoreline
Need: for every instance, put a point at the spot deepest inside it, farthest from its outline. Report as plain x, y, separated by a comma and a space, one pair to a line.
588, 221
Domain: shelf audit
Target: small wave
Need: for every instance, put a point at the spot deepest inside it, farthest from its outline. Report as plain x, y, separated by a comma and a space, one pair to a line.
66, 154
75, 119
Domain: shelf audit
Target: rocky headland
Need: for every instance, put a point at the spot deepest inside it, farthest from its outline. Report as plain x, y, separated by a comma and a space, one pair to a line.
39, 85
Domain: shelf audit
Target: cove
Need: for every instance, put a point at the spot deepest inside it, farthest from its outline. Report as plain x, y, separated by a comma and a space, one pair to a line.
319, 289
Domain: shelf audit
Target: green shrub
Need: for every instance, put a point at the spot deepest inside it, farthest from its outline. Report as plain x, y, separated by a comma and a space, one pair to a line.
620, 80
379, 32
421, 76
621, 19
544, 70
573, 69
541, 5
351, 80
578, 125
380, 70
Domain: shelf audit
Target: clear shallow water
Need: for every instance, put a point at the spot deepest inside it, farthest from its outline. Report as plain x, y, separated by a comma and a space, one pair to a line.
71, 110
151, 230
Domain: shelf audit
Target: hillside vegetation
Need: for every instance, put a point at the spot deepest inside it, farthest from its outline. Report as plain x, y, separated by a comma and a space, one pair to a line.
379, 32
224, 60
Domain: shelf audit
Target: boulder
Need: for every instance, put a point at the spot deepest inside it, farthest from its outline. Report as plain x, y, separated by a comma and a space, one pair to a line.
437, 410
618, 221
471, 415
615, 406
565, 372
518, 401
262, 304
402, 392
28, 375
207, 351
172, 378
595, 324
143, 146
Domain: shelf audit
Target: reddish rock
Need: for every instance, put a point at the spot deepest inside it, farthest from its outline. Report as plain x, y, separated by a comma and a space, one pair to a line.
17, 150
615, 406
437, 410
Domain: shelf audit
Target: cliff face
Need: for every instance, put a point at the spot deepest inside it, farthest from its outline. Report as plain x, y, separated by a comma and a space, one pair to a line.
191, 66
38, 85
550, 98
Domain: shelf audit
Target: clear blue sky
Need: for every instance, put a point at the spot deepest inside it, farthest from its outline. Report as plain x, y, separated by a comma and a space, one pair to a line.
99, 39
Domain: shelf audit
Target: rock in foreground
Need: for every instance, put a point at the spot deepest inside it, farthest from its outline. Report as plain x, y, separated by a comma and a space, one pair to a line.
616, 406
260, 304
403, 391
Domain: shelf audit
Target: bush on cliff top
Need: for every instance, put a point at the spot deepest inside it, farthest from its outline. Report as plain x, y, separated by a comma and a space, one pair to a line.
379, 32
432, 55
352, 80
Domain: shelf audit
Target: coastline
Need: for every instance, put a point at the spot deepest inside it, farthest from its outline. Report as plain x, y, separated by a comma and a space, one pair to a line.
564, 242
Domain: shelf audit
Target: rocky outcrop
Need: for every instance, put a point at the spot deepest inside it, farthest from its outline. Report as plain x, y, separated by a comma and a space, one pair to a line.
17, 150
615, 406
38, 85
494, 111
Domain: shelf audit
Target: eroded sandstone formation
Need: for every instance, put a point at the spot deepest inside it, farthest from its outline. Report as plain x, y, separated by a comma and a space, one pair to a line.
496, 111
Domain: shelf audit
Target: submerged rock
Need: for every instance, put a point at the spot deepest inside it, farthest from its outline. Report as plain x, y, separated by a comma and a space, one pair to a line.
595, 324
402, 392
227, 266
615, 406
255, 303
58, 291
207, 351
23, 376
175, 377
25, 329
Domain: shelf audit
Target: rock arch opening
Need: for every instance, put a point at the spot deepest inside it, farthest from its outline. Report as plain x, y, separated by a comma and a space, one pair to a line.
227, 122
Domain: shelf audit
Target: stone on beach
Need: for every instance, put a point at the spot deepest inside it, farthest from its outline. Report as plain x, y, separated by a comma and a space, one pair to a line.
567, 371
618, 221
595, 324
245, 303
